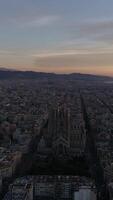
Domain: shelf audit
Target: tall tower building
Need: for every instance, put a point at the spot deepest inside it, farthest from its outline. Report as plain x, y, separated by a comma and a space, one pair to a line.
61, 130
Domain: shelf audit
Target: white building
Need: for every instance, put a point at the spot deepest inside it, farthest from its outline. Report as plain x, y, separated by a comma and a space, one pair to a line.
85, 193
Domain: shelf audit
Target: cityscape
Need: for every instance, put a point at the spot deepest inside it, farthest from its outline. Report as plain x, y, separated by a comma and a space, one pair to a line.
56, 100
56, 134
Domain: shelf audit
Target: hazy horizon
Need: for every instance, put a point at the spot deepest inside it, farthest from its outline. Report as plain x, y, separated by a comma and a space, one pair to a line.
57, 36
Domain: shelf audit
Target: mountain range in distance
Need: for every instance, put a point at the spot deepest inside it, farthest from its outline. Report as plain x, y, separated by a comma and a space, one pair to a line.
6, 73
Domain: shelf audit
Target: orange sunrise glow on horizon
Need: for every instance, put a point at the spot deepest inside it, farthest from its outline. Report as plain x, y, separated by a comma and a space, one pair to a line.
58, 37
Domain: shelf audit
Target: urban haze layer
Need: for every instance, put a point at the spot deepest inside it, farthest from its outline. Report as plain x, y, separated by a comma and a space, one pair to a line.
56, 136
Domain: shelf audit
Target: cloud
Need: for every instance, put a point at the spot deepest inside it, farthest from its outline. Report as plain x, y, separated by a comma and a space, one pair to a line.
97, 24
25, 13
92, 25
33, 21
85, 59
42, 21
13, 53
78, 51
93, 30
106, 38
6, 53
74, 60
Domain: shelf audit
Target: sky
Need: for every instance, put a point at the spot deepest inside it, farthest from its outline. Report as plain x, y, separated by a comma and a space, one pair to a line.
61, 36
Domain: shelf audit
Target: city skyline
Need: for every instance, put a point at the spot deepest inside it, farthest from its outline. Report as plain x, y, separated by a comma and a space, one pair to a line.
57, 130
57, 36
